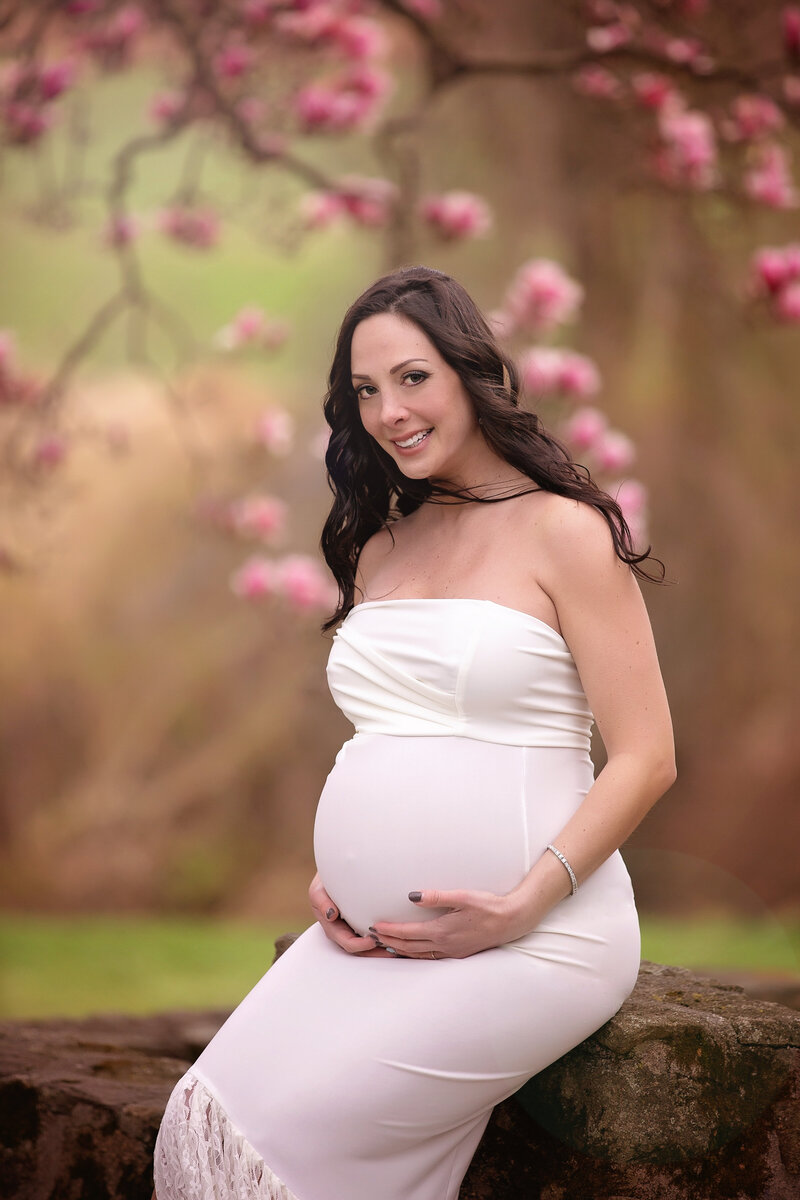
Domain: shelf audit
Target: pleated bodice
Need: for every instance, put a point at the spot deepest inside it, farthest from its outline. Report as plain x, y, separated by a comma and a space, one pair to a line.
452, 666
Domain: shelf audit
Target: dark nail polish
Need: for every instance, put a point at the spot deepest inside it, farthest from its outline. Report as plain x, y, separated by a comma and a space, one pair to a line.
330, 913
377, 941
415, 896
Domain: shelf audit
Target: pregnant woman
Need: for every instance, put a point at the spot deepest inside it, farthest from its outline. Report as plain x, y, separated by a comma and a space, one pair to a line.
474, 917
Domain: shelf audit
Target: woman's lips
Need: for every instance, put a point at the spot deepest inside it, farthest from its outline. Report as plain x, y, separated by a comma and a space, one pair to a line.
416, 446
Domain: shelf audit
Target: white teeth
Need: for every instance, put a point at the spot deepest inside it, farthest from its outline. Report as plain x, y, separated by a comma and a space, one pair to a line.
414, 441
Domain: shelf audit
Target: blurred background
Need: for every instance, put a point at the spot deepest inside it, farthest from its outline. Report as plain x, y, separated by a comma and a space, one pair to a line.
163, 739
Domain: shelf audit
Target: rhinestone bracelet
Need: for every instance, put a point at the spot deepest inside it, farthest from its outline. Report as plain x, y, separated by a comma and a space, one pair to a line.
570, 871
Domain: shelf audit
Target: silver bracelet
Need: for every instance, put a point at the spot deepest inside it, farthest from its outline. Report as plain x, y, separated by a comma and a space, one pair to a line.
570, 871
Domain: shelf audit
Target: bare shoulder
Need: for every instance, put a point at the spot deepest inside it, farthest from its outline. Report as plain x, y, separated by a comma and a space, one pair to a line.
570, 535
377, 547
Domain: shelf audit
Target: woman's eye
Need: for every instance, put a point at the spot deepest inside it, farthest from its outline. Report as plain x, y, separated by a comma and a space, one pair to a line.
416, 376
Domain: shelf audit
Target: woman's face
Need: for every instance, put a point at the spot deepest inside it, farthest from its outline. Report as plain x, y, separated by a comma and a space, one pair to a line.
413, 403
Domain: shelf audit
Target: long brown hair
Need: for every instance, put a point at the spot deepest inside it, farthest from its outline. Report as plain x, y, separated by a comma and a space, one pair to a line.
370, 490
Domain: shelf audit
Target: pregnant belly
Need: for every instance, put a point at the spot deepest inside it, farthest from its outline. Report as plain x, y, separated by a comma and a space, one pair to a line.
403, 813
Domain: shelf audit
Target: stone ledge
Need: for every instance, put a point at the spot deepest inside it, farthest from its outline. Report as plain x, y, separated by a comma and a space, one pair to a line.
689, 1093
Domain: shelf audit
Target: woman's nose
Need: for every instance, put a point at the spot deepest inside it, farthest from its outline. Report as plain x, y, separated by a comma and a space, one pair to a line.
393, 408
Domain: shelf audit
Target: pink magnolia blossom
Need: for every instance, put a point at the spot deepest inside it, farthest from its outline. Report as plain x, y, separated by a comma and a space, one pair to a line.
25, 123
688, 155
455, 215
604, 38
275, 431
597, 82
251, 326
164, 105
367, 200
542, 295
770, 182
112, 41
308, 22
773, 267
579, 376
683, 50
753, 117
255, 579
585, 427
631, 496
256, 12
259, 516
360, 38
191, 226
304, 582
320, 209
234, 60
547, 371
653, 90
350, 101
56, 77
790, 23
121, 230
50, 451
613, 450
786, 305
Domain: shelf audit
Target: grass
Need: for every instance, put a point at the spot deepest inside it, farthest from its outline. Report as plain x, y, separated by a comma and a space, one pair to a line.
72, 967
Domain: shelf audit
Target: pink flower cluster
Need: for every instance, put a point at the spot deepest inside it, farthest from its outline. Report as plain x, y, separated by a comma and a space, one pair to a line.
259, 516
27, 91
252, 327
587, 431
366, 201
234, 60
540, 297
457, 215
274, 431
194, 227
121, 230
350, 101
790, 25
296, 578
752, 117
653, 90
598, 82
547, 371
775, 277
769, 181
687, 155
353, 36
111, 41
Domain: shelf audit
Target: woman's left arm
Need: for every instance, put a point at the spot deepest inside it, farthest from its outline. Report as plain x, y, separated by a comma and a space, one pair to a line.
605, 624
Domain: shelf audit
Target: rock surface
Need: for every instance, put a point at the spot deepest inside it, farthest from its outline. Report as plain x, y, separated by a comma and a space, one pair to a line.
690, 1093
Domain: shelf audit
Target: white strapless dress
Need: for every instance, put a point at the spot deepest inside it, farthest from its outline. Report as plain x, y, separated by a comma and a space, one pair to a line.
348, 1078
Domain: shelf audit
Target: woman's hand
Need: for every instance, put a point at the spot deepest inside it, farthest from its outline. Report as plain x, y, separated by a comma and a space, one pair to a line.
475, 921
336, 928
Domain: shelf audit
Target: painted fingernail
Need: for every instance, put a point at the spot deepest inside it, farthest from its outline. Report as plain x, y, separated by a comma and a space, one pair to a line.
330, 913
415, 896
377, 941
390, 950
372, 929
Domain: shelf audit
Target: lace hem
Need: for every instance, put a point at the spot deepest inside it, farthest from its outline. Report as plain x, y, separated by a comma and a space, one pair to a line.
201, 1155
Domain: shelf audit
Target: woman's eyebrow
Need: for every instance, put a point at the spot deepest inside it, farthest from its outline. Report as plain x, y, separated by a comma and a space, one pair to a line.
394, 370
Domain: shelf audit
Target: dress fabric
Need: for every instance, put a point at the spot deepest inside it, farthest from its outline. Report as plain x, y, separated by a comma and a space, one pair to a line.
347, 1078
